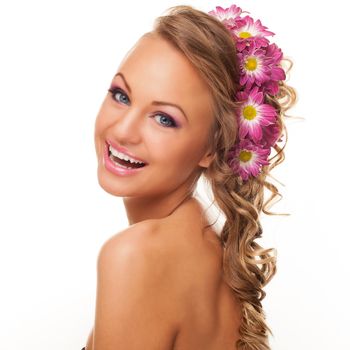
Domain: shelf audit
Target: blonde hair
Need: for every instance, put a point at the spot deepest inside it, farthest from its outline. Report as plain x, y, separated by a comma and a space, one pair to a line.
208, 44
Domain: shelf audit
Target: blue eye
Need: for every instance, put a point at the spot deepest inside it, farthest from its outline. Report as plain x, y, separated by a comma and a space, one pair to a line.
115, 91
171, 120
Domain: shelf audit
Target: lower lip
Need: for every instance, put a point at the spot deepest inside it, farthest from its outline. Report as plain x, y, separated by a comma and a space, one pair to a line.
114, 168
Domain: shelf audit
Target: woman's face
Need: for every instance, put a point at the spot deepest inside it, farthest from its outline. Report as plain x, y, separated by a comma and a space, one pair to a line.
171, 140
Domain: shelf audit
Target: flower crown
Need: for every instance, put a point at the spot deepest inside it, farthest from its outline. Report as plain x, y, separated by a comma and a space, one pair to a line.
260, 74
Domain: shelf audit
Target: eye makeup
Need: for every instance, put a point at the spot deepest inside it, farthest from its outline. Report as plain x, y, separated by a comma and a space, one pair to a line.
114, 90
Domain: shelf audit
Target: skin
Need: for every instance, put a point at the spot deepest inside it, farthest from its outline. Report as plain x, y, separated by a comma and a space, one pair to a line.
159, 199
155, 70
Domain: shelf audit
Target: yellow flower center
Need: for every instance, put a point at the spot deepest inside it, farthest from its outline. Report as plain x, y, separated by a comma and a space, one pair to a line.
244, 35
251, 63
249, 112
245, 156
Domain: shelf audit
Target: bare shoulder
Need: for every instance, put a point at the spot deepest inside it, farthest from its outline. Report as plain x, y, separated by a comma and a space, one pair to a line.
134, 237
171, 252
160, 284
196, 265
144, 244
134, 286
209, 312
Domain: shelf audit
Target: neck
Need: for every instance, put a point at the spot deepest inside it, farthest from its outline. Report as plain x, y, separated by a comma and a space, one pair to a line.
140, 209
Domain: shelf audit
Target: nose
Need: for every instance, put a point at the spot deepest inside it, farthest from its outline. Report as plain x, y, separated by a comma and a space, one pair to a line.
127, 128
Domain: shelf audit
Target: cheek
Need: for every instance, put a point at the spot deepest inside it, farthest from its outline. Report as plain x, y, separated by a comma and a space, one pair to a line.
181, 151
101, 117
171, 169
105, 117
176, 159
101, 123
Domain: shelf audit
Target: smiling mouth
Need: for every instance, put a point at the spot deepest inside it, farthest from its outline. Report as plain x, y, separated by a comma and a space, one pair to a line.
124, 163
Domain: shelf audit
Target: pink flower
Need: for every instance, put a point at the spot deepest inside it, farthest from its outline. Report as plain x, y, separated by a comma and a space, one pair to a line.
227, 16
252, 28
246, 159
273, 58
254, 114
271, 135
260, 65
271, 87
254, 69
260, 74
247, 31
274, 54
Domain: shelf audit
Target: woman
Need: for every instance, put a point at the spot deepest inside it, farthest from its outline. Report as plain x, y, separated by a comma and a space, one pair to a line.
170, 280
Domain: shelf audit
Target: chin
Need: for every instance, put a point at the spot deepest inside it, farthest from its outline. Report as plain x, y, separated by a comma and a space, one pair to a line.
117, 186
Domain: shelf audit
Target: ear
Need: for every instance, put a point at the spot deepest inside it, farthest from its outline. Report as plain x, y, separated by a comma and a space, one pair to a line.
210, 152
206, 160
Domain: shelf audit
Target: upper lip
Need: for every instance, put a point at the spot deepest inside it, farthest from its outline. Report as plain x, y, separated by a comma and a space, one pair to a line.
124, 150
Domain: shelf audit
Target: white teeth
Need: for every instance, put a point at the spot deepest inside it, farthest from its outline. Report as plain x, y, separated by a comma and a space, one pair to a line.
123, 156
120, 165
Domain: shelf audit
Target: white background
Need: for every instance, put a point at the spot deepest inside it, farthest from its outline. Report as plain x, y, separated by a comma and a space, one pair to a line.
57, 60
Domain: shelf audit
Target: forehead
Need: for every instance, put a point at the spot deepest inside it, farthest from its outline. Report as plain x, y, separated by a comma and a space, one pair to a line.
156, 69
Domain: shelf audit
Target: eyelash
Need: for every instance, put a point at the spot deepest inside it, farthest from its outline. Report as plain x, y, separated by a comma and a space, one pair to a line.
114, 90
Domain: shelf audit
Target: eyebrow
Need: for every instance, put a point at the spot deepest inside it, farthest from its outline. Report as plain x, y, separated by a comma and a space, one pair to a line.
155, 103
